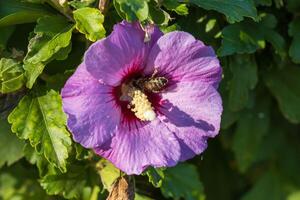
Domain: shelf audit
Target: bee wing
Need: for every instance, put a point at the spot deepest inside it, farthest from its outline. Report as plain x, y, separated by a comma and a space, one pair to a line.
172, 88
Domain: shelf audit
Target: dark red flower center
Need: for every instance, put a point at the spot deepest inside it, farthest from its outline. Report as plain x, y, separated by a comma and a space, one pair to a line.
123, 99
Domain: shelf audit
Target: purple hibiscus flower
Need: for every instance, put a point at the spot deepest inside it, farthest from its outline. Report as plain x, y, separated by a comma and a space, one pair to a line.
144, 100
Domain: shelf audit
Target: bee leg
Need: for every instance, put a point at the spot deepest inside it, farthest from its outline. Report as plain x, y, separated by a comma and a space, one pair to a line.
154, 73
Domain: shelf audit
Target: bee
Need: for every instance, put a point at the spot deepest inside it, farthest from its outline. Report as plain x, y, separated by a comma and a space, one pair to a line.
152, 84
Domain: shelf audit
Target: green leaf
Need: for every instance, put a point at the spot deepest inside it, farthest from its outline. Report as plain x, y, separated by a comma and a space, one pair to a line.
6, 32
108, 173
52, 41
229, 117
39, 118
17, 12
240, 38
294, 195
132, 10
235, 11
158, 15
20, 183
252, 126
155, 176
277, 42
11, 75
63, 53
141, 197
285, 86
77, 4
81, 152
35, 158
71, 184
167, 29
182, 182
247, 37
175, 6
89, 21
269, 186
244, 79
294, 31
11, 147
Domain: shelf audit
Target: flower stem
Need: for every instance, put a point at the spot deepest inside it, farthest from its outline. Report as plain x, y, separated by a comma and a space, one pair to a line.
103, 6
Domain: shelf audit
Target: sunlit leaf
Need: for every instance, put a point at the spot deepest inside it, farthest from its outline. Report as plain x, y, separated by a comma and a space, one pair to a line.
132, 10
158, 15
81, 3
39, 118
155, 176
141, 197
52, 40
89, 21
109, 173
11, 75
72, 183
294, 196
179, 8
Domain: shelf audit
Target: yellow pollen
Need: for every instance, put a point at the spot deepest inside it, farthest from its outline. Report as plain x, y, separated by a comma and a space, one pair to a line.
141, 106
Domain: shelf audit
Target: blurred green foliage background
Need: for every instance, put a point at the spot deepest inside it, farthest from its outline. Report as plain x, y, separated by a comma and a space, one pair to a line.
256, 156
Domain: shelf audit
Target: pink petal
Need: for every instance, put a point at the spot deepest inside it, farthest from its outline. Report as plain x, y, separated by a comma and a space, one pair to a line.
92, 114
148, 144
192, 111
122, 52
179, 56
